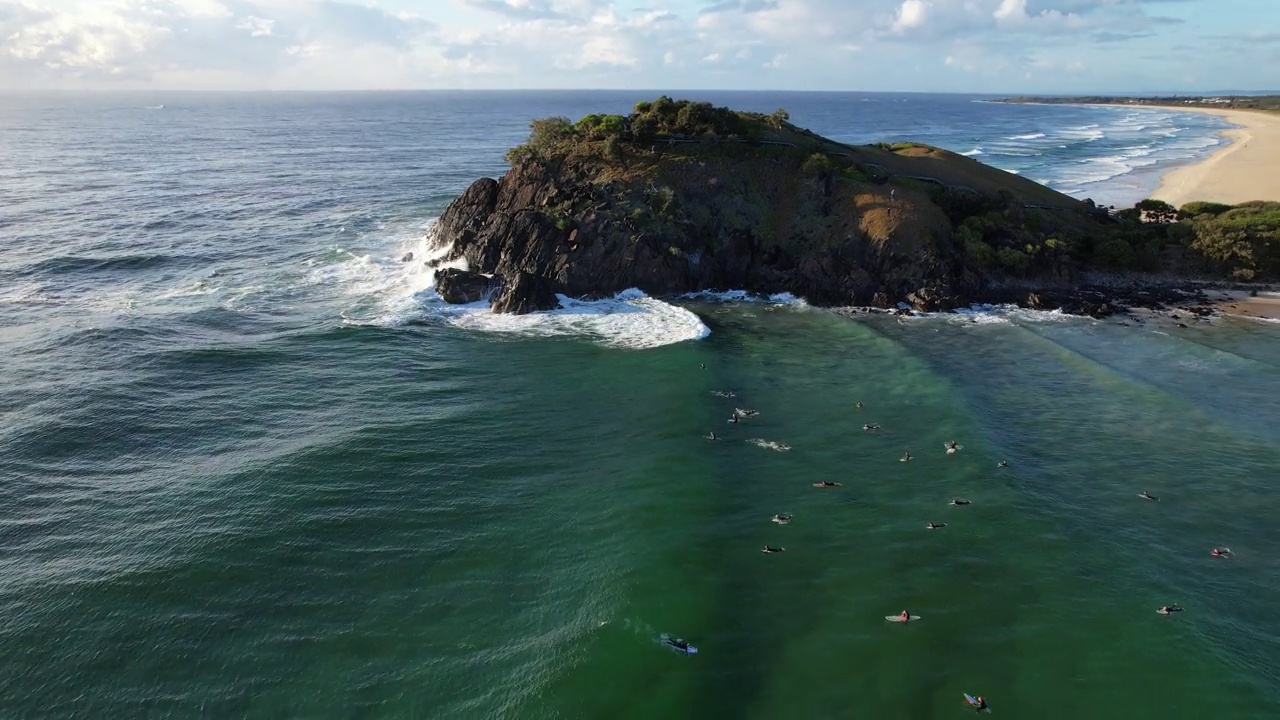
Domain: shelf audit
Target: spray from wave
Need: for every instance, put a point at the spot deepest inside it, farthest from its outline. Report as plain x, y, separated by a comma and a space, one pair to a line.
392, 292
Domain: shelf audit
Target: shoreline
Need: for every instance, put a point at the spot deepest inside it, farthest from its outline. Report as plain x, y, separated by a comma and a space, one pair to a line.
1242, 170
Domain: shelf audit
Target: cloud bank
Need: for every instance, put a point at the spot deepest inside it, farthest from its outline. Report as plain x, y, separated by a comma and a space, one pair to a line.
931, 45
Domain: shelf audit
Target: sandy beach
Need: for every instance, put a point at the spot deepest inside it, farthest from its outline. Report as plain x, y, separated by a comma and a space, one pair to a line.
1246, 169
1238, 302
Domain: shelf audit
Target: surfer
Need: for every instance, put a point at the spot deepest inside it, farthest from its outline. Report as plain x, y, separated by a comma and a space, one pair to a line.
745, 413
1148, 496
712, 435
906, 457
981, 704
959, 501
704, 366
859, 405
782, 518
935, 526
826, 483
1220, 552
904, 616
1169, 609
1002, 464
733, 418
870, 426
767, 549
952, 447
678, 643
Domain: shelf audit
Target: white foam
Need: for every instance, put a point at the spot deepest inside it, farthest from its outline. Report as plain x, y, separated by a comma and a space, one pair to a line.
1270, 321
742, 296
629, 319
1029, 136
985, 314
770, 445
974, 152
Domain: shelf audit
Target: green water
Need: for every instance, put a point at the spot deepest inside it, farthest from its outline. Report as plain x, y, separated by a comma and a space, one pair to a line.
450, 524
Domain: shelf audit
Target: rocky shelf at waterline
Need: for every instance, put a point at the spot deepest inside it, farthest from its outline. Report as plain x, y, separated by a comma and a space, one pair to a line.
681, 197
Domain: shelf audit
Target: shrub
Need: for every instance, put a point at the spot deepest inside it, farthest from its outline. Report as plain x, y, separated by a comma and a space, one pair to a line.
1014, 261
548, 133
979, 252
1157, 211
1200, 207
817, 164
597, 127
1114, 253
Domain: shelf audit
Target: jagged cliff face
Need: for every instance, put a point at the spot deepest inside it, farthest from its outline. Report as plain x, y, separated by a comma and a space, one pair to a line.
683, 219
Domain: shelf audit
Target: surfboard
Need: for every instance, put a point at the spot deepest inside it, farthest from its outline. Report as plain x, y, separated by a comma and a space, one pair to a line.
666, 642
898, 618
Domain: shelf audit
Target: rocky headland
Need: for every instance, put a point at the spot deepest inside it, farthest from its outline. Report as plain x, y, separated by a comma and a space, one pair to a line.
679, 197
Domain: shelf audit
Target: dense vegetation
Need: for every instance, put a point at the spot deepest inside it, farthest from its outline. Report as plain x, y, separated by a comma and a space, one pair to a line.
661, 119
995, 227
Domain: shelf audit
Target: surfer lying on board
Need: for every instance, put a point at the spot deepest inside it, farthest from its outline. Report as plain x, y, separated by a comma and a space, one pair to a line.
959, 501
1169, 610
826, 483
1148, 496
1220, 552
767, 549
678, 643
935, 526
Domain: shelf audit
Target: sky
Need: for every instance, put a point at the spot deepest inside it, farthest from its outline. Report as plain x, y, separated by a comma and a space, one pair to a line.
999, 46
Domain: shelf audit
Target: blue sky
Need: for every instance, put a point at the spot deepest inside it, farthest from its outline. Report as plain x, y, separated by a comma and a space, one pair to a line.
1005, 46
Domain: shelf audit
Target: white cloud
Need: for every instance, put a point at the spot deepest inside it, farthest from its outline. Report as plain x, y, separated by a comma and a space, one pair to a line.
317, 44
1011, 11
256, 26
911, 14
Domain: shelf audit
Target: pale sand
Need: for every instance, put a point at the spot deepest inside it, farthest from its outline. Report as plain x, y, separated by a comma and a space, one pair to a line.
1246, 169
1238, 302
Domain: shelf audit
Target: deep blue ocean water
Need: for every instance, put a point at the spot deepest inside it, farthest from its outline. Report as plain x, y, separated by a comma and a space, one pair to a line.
250, 466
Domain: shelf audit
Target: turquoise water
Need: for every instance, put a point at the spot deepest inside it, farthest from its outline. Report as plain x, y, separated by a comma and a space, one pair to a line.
249, 467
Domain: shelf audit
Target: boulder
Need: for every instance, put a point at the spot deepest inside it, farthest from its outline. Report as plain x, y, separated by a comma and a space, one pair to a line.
523, 293
459, 287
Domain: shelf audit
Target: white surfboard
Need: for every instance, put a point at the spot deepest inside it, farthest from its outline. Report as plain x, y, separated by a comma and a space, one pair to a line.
898, 618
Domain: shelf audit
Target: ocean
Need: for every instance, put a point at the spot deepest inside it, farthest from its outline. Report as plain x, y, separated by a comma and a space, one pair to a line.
251, 466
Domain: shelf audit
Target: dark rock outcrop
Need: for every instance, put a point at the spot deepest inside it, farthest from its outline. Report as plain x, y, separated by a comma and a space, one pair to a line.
523, 293
864, 226
460, 287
